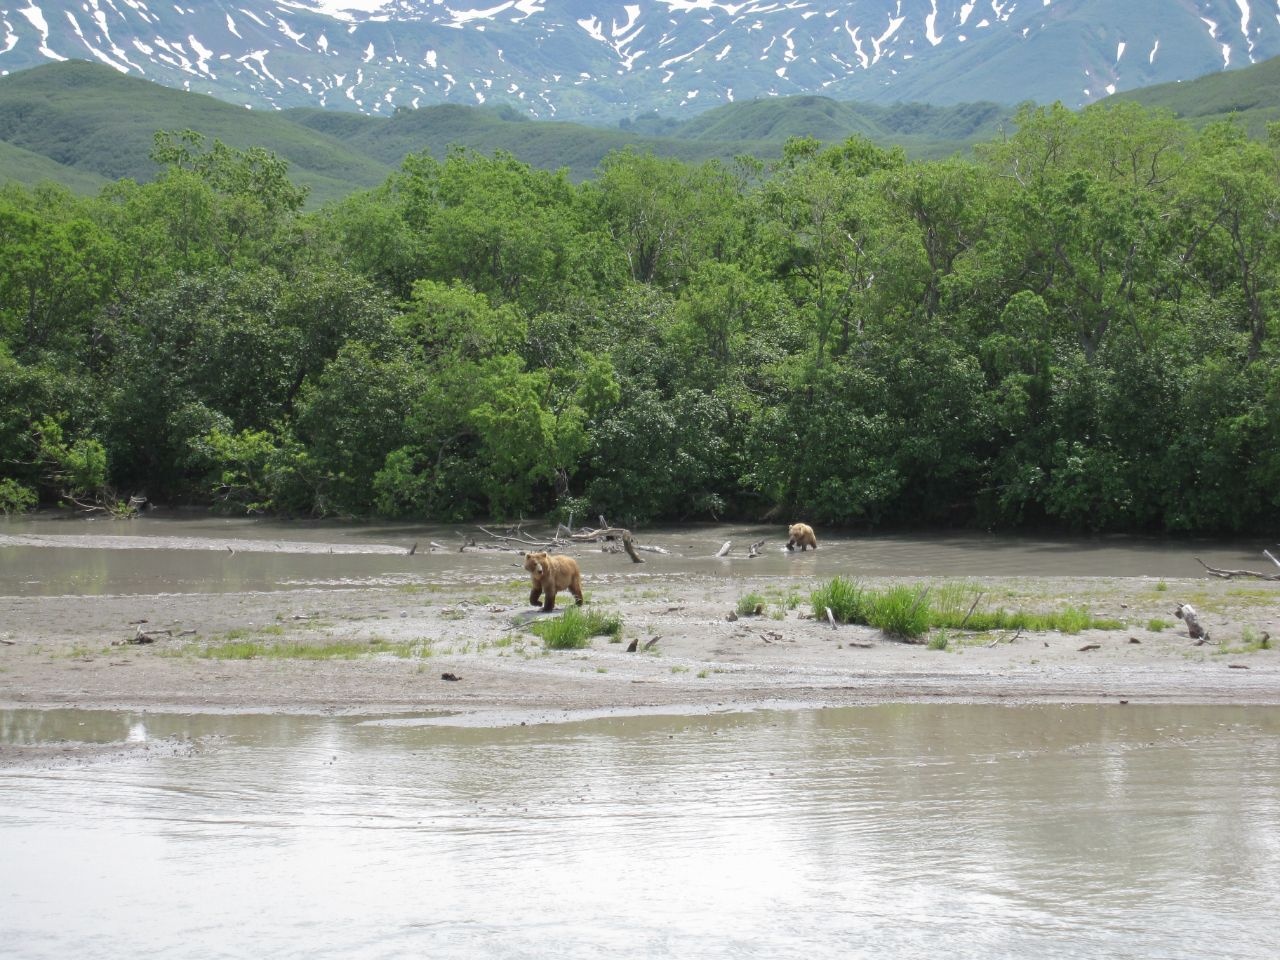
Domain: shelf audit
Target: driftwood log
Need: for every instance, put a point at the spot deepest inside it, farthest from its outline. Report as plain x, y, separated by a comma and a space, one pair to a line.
564, 536
1229, 574
611, 533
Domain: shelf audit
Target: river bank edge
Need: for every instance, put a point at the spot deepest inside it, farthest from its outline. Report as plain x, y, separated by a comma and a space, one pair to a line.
391, 652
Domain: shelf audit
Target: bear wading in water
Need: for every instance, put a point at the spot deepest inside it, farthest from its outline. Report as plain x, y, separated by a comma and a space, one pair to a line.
802, 536
552, 573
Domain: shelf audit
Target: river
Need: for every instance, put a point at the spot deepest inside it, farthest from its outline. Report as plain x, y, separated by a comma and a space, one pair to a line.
888, 831
48, 556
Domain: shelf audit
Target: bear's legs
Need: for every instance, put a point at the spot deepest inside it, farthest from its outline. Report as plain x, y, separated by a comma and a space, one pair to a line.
535, 596
551, 600
576, 589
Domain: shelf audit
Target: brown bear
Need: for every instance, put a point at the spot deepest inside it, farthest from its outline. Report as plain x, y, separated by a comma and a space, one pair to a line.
551, 574
801, 535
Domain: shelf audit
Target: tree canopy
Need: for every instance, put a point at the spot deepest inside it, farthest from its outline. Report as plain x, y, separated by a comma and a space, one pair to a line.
1075, 328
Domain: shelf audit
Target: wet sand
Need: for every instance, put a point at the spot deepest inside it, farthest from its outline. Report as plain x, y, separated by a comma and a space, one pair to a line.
467, 617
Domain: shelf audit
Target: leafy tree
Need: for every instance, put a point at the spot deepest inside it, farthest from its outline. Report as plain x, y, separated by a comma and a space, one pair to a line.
57, 269
665, 216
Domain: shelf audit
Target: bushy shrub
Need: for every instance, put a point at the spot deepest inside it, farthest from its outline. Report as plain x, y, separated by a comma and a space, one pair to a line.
14, 497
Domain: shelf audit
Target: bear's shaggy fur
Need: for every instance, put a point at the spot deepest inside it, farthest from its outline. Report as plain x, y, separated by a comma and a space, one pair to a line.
801, 535
552, 573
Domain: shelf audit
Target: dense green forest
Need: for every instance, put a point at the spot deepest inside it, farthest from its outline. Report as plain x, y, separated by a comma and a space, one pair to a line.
1076, 328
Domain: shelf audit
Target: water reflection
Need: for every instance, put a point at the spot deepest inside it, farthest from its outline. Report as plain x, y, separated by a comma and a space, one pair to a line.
899, 830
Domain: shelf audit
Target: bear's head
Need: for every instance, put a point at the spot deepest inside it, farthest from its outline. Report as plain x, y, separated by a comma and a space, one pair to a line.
796, 531
536, 563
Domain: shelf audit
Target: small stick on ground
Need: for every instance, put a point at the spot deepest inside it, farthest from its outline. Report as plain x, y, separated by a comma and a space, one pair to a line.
971, 609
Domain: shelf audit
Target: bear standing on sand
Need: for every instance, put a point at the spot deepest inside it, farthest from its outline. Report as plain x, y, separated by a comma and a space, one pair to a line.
801, 535
552, 573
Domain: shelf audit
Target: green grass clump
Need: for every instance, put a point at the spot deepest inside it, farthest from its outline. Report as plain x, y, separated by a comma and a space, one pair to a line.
845, 598
911, 610
573, 629
939, 640
750, 605
1156, 625
901, 611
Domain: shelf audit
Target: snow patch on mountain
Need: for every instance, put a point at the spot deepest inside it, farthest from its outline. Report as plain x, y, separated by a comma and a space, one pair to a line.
35, 16
338, 9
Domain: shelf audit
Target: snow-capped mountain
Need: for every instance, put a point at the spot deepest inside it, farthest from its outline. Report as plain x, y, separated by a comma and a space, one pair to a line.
607, 59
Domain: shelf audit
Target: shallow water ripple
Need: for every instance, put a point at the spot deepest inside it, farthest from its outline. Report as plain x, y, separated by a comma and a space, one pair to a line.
895, 831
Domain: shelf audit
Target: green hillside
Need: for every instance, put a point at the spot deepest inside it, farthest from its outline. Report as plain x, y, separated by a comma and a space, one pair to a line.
28, 168
93, 120
756, 128
924, 131
79, 122
546, 144
1251, 93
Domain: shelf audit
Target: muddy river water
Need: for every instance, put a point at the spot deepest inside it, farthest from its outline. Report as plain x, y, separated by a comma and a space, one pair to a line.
201, 554
889, 831
886, 831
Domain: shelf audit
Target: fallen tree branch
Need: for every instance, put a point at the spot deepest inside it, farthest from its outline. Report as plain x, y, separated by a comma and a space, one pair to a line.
611, 533
1229, 574
516, 535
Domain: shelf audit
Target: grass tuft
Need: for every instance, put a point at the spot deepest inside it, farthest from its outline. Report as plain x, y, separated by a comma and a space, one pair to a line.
901, 611
911, 610
844, 598
573, 629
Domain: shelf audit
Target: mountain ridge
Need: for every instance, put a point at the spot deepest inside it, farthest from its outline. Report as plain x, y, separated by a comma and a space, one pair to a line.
600, 61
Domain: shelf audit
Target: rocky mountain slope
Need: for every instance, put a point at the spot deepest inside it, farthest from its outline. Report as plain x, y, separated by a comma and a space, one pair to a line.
604, 60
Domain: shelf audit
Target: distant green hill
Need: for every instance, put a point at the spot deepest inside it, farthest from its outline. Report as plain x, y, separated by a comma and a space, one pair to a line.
1252, 93
755, 128
94, 120
79, 122
544, 143
28, 168
922, 130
